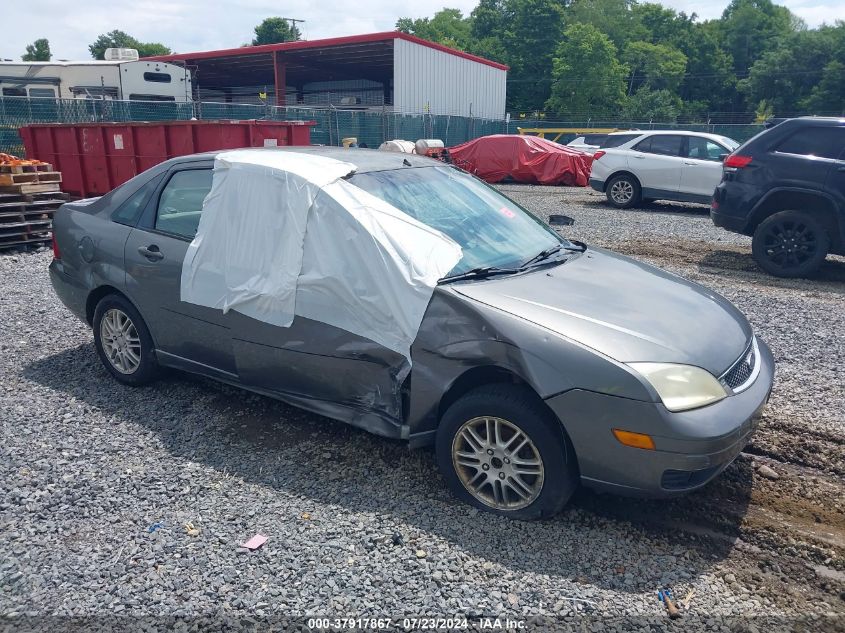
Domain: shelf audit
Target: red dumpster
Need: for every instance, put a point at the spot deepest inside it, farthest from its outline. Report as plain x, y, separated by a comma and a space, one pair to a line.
94, 158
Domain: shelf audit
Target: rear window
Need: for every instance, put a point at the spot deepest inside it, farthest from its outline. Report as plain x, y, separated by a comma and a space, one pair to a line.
128, 212
824, 142
615, 140
162, 78
594, 139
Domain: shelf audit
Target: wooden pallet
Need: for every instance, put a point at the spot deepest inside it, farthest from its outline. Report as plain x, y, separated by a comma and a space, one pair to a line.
7, 180
26, 218
24, 169
30, 187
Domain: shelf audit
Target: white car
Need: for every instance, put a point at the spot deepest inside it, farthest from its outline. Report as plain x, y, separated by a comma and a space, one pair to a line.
588, 143
633, 167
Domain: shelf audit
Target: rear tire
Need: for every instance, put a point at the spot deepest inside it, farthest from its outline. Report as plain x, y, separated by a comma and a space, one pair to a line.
501, 450
123, 342
623, 191
790, 244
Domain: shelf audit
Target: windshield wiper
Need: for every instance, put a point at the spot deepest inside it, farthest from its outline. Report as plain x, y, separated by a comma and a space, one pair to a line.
545, 254
479, 273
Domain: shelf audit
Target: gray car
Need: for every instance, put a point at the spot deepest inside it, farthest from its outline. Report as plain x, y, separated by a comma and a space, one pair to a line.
539, 363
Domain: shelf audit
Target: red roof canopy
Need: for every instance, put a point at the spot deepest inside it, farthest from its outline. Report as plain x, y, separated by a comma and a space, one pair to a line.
324, 43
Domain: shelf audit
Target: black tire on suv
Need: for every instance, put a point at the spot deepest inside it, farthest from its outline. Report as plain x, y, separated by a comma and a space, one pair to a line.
623, 191
790, 244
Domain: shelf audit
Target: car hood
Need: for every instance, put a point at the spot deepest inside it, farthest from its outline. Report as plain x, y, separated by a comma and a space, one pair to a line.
625, 309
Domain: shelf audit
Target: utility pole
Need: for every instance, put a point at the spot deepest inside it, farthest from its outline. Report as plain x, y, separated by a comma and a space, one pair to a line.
293, 22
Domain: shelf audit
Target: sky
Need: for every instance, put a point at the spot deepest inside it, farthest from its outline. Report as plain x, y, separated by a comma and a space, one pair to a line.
196, 25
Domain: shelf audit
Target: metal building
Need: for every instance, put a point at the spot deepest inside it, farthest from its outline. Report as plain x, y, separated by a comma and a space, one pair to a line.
389, 70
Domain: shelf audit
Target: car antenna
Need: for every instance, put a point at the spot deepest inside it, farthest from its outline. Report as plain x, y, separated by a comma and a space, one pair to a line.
406, 162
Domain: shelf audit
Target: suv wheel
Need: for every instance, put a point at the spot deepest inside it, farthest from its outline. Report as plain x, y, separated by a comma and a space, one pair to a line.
123, 341
501, 450
623, 191
790, 244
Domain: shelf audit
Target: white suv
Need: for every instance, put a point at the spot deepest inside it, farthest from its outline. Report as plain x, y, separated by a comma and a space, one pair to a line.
659, 164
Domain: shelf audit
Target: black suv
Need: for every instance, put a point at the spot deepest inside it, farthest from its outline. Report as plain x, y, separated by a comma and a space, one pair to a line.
786, 188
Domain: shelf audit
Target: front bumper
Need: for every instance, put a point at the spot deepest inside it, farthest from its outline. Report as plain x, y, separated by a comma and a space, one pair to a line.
691, 447
597, 184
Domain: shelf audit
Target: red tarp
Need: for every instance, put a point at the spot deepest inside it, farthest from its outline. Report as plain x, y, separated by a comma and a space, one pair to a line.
528, 159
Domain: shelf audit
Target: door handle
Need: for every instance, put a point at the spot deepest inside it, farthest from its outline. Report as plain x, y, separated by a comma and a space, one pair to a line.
151, 252
688, 163
638, 157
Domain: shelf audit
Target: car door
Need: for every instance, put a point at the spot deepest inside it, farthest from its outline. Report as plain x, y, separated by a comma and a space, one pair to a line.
657, 162
187, 335
702, 169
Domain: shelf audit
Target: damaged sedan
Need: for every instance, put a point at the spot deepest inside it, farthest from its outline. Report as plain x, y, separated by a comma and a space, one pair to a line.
410, 299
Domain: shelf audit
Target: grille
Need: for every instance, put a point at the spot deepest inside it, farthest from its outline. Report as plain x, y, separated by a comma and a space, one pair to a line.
738, 375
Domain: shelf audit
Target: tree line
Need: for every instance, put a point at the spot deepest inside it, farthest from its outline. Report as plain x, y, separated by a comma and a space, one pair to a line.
611, 59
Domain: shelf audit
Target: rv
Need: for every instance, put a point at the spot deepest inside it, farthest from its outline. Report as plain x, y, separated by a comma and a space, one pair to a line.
137, 80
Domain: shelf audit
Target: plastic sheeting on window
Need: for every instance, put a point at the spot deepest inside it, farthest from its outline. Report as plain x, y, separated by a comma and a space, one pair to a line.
281, 234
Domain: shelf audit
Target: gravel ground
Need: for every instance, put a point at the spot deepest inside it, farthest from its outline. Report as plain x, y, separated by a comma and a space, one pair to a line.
98, 482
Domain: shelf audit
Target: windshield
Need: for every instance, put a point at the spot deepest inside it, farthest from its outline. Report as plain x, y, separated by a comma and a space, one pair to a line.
492, 230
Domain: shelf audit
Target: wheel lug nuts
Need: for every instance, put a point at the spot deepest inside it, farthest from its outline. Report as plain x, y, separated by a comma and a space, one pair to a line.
485, 467
489, 451
507, 461
501, 475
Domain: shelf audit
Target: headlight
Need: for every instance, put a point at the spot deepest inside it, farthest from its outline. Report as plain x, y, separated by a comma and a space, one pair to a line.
681, 387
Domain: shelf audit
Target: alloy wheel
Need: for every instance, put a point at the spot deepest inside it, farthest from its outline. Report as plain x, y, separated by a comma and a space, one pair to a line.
497, 463
120, 341
622, 191
789, 244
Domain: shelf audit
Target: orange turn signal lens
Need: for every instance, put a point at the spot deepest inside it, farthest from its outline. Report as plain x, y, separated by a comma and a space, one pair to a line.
636, 440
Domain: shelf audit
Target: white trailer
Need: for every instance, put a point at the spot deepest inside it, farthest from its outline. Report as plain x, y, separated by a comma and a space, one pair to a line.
136, 80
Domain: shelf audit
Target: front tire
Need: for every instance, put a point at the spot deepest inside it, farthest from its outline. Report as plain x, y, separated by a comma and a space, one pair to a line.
123, 342
501, 450
623, 191
790, 244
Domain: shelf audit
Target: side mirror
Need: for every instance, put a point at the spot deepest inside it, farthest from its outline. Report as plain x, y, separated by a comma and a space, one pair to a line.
556, 220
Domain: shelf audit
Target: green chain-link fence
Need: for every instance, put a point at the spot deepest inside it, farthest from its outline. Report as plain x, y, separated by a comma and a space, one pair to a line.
370, 127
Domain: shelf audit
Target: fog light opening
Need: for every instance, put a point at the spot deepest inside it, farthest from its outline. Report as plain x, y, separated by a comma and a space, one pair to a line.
634, 440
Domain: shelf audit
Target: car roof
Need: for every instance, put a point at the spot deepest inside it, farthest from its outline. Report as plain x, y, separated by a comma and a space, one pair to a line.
366, 160
678, 132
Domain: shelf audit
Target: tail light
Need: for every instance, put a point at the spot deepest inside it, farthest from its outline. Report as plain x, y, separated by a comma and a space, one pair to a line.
737, 161
599, 154
56, 253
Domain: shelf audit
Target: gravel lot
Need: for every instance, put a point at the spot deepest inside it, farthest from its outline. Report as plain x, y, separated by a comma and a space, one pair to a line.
362, 526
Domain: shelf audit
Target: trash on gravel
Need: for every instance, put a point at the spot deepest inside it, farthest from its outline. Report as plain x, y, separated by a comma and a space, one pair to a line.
687, 598
190, 530
398, 539
155, 527
255, 542
421, 553
305, 516
665, 596
768, 473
